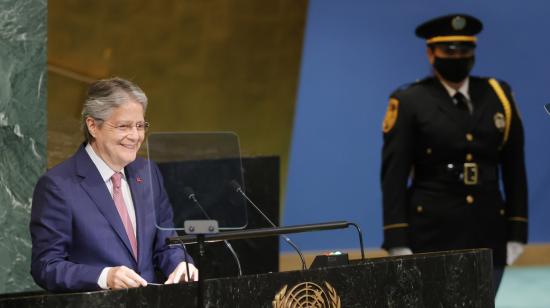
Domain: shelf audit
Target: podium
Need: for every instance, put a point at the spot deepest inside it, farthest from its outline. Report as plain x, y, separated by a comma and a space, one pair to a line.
443, 279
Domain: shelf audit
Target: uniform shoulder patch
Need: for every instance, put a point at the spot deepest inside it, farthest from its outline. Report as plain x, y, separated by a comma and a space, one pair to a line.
391, 115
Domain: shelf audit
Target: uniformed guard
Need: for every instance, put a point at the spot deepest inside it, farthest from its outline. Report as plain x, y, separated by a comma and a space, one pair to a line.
450, 141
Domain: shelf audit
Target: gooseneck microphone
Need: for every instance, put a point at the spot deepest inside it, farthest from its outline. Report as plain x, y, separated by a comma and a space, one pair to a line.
188, 191
238, 189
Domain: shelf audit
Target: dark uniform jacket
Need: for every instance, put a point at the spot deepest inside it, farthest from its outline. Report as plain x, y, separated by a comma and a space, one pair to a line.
444, 170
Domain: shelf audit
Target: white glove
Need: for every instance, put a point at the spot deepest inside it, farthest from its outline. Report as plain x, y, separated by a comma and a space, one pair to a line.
513, 251
400, 251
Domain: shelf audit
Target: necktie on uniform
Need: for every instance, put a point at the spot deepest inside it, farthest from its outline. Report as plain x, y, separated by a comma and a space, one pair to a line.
462, 102
123, 211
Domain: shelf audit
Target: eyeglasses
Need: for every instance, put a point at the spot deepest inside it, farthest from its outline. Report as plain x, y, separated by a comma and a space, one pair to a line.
128, 127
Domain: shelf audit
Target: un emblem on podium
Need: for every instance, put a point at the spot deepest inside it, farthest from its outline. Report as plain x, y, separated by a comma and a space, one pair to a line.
307, 294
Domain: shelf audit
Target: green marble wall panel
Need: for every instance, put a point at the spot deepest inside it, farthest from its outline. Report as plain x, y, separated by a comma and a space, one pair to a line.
22, 132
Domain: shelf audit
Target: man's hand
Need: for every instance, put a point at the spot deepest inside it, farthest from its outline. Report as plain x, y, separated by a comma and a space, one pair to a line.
121, 277
180, 273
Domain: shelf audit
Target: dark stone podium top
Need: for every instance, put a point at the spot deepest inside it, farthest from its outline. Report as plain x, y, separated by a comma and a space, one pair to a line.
444, 279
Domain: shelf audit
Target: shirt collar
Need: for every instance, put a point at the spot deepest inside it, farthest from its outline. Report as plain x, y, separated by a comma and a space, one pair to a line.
105, 171
464, 88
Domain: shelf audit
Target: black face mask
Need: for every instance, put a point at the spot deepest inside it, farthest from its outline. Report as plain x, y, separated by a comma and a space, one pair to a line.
454, 69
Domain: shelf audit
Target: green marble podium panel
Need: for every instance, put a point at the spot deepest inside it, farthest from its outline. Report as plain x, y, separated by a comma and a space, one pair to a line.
22, 132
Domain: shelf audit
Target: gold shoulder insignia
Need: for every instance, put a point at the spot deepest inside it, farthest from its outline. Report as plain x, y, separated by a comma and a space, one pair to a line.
391, 115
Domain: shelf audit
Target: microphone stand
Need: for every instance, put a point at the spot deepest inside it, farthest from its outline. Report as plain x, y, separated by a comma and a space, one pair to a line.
200, 239
191, 195
266, 232
238, 189
198, 229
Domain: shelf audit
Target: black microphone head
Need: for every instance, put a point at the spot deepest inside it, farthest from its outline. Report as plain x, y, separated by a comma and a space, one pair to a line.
188, 191
547, 108
235, 185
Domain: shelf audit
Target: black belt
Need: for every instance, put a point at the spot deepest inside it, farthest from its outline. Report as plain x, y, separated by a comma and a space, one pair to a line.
467, 173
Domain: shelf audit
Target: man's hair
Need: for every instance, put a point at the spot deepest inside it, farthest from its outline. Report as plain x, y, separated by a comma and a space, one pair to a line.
107, 94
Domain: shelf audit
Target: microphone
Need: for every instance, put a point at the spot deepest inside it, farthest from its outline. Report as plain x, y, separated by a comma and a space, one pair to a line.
188, 191
235, 185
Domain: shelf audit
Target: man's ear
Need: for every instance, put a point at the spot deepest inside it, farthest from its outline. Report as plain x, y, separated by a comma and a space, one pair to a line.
92, 126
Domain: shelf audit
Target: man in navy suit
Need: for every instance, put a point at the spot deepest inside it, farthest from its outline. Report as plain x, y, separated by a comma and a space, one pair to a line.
93, 216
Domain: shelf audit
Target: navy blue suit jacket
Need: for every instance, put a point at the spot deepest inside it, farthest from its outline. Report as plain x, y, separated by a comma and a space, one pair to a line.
76, 230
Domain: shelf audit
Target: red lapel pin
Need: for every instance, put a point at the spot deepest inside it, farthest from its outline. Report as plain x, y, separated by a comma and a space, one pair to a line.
139, 180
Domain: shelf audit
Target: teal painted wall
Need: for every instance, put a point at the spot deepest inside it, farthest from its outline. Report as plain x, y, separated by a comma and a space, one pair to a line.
22, 132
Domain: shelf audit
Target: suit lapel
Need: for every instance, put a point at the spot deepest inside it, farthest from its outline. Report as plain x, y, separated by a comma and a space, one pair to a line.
94, 185
138, 186
477, 94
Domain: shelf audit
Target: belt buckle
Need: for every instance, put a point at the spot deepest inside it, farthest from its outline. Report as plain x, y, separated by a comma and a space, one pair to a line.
470, 174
